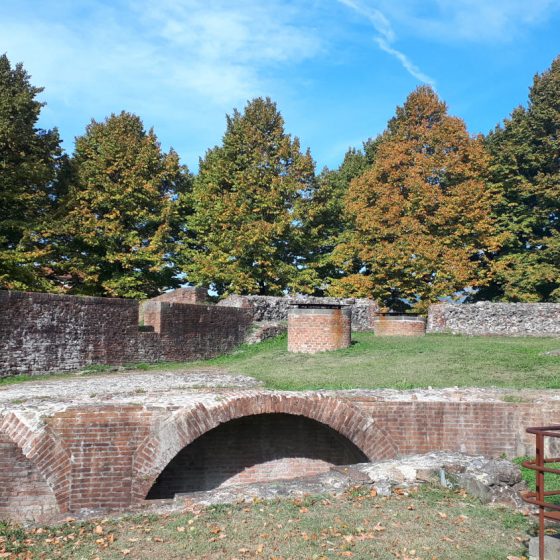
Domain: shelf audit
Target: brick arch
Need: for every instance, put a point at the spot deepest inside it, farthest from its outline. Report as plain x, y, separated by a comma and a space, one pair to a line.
47, 454
187, 424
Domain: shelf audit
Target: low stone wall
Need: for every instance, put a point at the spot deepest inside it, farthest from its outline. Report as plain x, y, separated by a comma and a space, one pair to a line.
485, 318
40, 332
272, 308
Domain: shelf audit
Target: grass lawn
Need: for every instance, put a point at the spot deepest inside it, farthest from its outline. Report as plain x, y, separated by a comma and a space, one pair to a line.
425, 525
436, 360
403, 363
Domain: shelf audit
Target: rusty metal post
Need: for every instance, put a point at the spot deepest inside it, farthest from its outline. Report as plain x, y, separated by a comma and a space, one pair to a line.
538, 497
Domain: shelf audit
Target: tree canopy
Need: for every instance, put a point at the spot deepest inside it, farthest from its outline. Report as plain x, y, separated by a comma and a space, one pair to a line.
526, 168
29, 160
116, 230
246, 232
326, 220
422, 213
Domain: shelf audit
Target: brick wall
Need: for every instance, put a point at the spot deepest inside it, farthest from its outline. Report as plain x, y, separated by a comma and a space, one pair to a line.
24, 492
400, 325
101, 442
110, 456
46, 332
318, 330
50, 332
188, 332
506, 319
490, 429
257, 448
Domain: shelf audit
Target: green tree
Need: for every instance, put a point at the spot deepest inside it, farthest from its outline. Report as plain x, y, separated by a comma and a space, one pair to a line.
247, 233
116, 231
526, 167
421, 214
29, 160
326, 220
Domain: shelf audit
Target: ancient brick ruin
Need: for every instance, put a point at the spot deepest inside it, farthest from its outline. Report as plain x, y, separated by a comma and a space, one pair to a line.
110, 442
41, 333
399, 325
316, 328
114, 441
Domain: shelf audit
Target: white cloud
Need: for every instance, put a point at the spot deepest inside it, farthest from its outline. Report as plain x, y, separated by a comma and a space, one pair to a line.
386, 37
219, 50
480, 21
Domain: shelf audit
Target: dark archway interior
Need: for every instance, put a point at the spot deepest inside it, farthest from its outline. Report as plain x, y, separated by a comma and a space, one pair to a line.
259, 448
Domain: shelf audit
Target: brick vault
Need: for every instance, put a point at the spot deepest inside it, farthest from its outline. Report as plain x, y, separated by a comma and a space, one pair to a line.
112, 441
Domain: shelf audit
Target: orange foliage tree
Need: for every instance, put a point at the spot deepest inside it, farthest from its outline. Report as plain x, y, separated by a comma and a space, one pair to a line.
422, 225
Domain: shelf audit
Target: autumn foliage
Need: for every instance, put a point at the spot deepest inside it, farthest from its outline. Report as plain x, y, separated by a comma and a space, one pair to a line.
245, 234
115, 229
425, 211
422, 214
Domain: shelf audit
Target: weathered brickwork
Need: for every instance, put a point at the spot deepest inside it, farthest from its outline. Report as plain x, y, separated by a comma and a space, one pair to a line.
101, 442
64, 457
188, 332
49, 332
24, 492
506, 319
274, 309
312, 330
399, 326
184, 295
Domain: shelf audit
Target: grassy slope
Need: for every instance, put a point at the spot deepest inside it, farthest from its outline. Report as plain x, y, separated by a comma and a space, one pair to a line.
431, 523
401, 362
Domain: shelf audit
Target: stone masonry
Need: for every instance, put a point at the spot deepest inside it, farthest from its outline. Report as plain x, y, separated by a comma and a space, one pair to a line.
275, 309
103, 442
485, 318
40, 332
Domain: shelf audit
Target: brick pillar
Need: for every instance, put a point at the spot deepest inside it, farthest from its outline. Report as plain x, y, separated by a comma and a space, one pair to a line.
318, 329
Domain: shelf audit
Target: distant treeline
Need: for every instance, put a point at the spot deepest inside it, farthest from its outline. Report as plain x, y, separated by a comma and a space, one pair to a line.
422, 211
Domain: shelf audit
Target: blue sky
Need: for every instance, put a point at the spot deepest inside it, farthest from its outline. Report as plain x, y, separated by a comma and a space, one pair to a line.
336, 68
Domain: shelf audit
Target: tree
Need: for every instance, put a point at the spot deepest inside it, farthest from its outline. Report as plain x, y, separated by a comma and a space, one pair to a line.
115, 233
29, 160
246, 232
325, 219
526, 167
422, 225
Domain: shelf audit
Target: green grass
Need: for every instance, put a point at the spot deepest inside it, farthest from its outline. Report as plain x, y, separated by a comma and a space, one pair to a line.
373, 362
430, 523
402, 362
551, 481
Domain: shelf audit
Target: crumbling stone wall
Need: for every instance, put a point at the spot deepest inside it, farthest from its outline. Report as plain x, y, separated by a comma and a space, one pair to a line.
274, 309
51, 332
485, 318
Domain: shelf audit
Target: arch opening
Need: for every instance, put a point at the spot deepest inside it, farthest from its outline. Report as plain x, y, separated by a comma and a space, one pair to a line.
24, 493
256, 448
